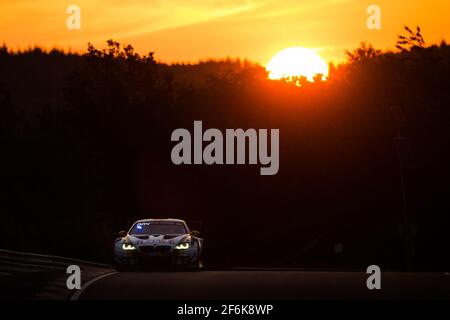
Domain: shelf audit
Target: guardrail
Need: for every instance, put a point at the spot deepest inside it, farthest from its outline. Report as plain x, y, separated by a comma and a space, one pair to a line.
41, 276
30, 262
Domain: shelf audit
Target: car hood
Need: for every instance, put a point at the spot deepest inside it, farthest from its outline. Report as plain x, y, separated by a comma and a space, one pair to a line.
152, 240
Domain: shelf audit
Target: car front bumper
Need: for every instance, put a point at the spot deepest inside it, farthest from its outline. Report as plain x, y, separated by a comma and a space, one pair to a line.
173, 257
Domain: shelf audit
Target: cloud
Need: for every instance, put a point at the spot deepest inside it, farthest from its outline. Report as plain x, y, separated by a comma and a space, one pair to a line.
165, 14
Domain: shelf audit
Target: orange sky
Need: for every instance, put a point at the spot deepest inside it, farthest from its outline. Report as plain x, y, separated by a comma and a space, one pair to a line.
189, 30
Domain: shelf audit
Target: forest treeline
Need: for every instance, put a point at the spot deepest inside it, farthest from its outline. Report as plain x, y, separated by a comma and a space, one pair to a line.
86, 150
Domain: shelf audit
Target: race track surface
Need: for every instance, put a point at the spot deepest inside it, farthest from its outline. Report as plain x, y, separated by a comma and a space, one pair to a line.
266, 285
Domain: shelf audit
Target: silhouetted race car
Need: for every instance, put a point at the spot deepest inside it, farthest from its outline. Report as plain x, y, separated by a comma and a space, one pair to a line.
157, 243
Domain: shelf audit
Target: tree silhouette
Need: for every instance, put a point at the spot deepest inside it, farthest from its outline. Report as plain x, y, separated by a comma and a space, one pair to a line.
365, 52
412, 39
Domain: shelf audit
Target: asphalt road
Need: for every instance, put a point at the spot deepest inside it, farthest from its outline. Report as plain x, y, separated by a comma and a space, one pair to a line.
270, 285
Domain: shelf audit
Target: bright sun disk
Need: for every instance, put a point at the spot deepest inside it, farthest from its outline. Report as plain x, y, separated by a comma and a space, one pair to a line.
296, 61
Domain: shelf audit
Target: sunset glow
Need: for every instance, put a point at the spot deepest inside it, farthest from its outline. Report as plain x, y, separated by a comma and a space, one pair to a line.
189, 30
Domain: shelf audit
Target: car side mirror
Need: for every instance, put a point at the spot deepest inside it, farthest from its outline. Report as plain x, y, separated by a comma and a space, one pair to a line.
195, 233
122, 234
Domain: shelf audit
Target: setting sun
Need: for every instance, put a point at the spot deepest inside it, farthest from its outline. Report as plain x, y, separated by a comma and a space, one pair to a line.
296, 61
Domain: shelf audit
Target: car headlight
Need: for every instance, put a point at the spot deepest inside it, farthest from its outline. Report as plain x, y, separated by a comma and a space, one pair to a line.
182, 246
128, 246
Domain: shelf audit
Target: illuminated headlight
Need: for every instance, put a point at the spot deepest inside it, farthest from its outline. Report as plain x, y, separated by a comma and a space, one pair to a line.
182, 246
128, 246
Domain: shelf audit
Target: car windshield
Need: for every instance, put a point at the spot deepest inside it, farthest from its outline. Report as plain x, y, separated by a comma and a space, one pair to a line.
159, 228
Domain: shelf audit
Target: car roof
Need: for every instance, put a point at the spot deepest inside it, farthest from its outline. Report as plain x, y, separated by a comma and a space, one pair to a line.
161, 220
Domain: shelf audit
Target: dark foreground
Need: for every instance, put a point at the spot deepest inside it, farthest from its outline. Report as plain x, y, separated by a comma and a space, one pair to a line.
266, 285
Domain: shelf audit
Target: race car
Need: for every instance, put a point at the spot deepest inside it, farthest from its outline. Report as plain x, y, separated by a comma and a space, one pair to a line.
158, 242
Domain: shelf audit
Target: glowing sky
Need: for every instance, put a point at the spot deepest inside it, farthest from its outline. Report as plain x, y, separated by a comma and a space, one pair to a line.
189, 30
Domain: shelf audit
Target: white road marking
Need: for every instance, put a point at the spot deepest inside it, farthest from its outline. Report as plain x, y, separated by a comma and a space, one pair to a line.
78, 293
